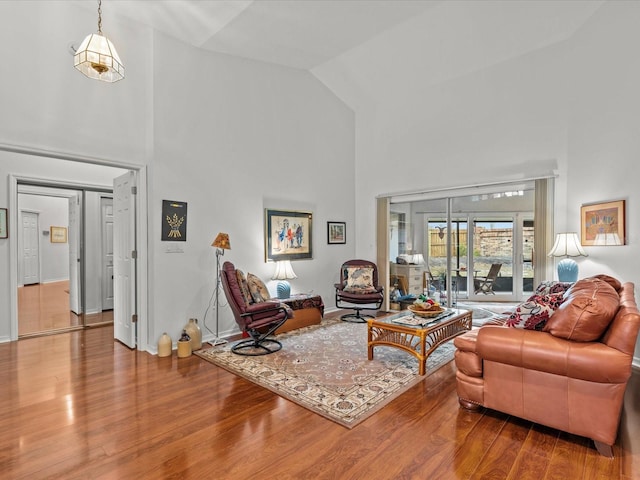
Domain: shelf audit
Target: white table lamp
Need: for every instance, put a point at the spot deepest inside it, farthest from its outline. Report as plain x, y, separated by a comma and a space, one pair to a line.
567, 245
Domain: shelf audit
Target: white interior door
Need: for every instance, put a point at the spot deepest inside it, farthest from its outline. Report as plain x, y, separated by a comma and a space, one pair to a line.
106, 207
74, 254
30, 248
124, 264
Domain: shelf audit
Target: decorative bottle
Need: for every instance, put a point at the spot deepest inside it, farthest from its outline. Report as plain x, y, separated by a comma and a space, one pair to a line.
164, 345
184, 345
193, 330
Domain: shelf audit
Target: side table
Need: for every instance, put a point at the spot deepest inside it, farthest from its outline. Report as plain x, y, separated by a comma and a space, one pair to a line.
307, 310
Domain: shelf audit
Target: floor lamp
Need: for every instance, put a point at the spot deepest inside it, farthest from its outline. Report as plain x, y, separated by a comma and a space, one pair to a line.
221, 243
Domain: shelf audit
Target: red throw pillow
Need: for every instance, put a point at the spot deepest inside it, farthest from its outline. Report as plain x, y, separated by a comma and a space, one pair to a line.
587, 311
535, 312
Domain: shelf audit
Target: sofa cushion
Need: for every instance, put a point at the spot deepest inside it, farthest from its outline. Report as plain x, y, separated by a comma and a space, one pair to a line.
589, 307
359, 280
614, 282
244, 288
257, 288
535, 312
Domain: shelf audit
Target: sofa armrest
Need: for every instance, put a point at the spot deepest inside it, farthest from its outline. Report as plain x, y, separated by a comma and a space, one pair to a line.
541, 351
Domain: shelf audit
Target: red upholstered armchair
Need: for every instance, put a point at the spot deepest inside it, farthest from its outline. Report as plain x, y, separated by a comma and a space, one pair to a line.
358, 289
259, 320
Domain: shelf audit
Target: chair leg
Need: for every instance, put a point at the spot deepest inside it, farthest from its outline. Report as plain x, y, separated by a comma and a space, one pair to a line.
604, 449
254, 348
356, 317
259, 344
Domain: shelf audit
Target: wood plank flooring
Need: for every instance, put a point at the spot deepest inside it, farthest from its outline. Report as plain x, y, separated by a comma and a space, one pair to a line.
43, 308
79, 405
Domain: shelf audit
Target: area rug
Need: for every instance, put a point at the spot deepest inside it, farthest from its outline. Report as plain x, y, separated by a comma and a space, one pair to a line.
481, 314
325, 368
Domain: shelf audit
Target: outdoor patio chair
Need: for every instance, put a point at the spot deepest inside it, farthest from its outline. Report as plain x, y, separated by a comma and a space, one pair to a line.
485, 284
358, 289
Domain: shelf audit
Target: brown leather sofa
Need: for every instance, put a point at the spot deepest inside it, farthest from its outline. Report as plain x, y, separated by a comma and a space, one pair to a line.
571, 376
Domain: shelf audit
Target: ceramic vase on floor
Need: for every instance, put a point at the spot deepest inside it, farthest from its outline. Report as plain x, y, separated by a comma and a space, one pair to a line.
164, 345
184, 345
194, 332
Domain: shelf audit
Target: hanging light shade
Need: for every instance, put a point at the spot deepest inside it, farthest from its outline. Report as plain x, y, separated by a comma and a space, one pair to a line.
97, 57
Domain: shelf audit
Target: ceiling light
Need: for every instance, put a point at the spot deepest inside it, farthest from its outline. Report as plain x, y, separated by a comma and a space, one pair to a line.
97, 57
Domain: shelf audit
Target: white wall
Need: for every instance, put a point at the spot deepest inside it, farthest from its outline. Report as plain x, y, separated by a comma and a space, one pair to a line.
49, 104
571, 107
233, 137
54, 257
229, 136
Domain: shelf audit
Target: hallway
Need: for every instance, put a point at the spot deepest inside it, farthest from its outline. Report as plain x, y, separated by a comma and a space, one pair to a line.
43, 308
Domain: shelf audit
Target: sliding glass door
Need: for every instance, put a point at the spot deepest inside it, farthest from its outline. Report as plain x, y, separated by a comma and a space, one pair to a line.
493, 240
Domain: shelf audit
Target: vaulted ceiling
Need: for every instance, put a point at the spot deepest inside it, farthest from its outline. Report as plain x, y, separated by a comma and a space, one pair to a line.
307, 33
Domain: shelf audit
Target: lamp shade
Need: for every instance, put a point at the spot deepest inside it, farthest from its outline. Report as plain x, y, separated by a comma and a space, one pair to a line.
567, 245
418, 259
283, 272
97, 58
222, 241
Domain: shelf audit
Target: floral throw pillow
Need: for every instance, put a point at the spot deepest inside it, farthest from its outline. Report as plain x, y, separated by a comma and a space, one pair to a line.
549, 287
534, 313
244, 288
359, 280
257, 288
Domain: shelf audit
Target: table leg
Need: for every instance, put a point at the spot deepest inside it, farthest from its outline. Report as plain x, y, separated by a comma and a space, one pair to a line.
422, 359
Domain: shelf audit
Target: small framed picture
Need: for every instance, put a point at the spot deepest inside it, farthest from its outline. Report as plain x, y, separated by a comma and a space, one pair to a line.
336, 232
58, 234
4, 229
174, 221
603, 223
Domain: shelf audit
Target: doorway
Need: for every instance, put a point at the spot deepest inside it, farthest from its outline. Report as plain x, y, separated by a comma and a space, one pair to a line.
61, 279
458, 238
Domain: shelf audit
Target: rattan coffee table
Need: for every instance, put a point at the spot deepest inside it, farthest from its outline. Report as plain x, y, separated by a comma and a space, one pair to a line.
419, 340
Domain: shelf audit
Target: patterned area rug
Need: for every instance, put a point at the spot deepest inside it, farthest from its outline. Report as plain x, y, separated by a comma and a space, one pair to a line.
324, 368
485, 312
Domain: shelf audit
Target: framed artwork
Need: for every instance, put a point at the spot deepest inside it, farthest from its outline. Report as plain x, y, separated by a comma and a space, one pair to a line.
336, 232
287, 235
174, 221
603, 223
4, 227
58, 234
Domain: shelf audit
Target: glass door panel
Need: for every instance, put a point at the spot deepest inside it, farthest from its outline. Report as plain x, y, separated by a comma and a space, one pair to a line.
493, 241
527, 257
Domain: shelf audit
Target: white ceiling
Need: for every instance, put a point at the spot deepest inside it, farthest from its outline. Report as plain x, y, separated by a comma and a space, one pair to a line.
295, 33
307, 33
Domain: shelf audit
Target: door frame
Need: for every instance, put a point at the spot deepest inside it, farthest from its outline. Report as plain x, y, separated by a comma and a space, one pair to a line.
141, 302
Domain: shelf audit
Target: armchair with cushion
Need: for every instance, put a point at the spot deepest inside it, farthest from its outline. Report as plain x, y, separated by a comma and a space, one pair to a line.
254, 314
567, 370
358, 289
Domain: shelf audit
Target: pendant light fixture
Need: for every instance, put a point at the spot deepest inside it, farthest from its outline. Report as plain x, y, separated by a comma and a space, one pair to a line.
97, 57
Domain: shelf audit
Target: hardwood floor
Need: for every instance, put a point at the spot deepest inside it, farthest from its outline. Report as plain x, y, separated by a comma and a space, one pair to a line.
79, 405
43, 308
